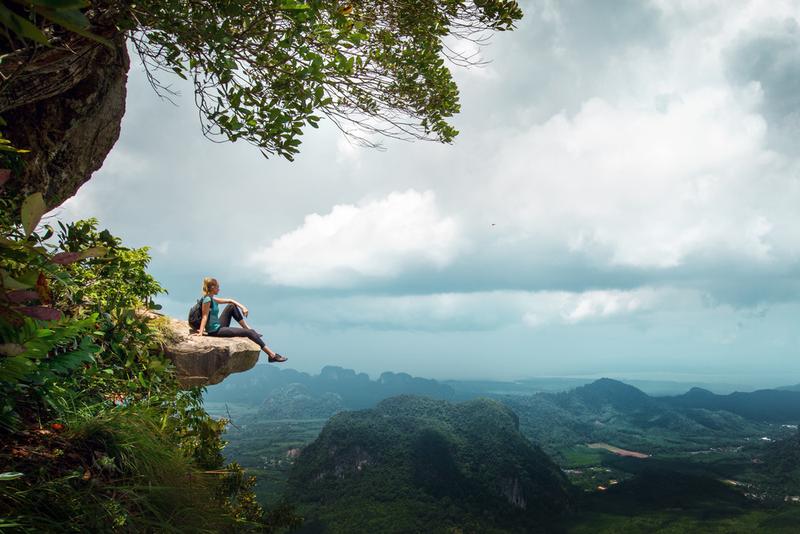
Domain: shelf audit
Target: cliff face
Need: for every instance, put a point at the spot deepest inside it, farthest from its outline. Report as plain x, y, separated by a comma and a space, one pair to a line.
64, 104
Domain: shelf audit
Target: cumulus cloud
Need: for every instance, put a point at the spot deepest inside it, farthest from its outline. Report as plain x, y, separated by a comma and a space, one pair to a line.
652, 185
374, 239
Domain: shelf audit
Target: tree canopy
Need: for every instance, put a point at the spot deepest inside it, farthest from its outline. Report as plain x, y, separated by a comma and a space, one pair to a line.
264, 70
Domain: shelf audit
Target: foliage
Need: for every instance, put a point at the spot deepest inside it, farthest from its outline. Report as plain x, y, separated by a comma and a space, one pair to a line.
263, 70
414, 464
91, 413
35, 22
107, 467
769, 405
613, 412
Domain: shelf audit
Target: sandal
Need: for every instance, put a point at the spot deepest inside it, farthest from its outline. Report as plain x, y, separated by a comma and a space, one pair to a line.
276, 359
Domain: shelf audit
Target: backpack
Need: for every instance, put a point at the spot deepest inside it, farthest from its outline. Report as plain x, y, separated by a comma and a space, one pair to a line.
196, 314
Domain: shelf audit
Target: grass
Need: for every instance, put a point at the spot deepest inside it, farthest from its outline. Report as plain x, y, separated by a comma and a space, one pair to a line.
112, 470
582, 456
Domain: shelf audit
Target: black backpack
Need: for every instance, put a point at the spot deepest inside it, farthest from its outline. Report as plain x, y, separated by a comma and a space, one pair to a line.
196, 314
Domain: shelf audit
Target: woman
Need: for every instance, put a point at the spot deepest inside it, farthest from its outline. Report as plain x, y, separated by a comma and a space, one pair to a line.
213, 324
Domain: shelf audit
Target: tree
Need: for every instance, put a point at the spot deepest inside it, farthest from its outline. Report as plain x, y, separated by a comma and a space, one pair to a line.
264, 70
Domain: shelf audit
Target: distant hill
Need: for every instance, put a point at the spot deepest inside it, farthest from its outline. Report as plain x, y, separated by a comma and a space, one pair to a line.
607, 392
420, 465
770, 405
611, 411
355, 390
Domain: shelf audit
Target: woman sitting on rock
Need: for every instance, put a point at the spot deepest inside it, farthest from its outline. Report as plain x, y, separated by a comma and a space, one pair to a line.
213, 324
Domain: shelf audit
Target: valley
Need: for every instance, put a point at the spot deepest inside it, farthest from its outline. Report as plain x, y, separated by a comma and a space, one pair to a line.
632, 461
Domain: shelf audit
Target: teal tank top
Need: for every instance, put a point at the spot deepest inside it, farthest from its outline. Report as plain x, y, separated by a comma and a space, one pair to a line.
212, 323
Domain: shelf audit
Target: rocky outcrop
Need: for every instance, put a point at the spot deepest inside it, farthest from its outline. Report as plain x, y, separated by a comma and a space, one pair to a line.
65, 105
512, 490
204, 360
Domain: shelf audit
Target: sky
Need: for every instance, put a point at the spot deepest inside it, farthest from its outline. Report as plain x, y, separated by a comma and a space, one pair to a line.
622, 200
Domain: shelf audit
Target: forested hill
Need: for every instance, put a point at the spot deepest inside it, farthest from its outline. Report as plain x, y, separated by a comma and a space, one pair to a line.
770, 405
421, 465
611, 411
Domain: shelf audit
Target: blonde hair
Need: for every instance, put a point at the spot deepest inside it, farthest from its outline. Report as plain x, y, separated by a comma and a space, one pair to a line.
208, 282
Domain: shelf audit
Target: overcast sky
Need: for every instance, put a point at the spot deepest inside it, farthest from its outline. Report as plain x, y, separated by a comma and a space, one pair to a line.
623, 200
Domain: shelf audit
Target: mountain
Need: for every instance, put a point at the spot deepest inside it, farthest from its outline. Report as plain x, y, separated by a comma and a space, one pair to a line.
608, 392
768, 405
356, 390
413, 464
614, 412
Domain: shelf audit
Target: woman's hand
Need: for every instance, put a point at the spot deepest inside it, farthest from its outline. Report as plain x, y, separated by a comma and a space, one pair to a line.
245, 311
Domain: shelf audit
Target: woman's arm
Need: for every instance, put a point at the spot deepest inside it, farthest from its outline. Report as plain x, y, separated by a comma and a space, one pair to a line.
206, 309
220, 300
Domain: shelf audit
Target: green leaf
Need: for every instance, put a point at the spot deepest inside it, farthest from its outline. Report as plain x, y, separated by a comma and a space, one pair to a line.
74, 21
32, 210
294, 6
10, 475
11, 283
21, 26
179, 72
94, 252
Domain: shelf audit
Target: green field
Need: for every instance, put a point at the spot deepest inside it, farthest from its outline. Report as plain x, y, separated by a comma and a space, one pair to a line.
262, 447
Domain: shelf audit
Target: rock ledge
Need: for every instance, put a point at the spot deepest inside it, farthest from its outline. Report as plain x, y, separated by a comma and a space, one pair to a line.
205, 360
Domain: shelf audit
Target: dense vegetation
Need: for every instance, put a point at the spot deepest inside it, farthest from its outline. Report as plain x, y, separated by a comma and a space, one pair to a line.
613, 412
771, 405
709, 470
96, 434
421, 465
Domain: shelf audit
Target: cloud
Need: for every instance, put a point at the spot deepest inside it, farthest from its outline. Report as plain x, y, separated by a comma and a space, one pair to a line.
375, 239
475, 311
652, 185
769, 54
594, 304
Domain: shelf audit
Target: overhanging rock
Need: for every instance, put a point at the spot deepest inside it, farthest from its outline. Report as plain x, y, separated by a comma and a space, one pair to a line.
206, 360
